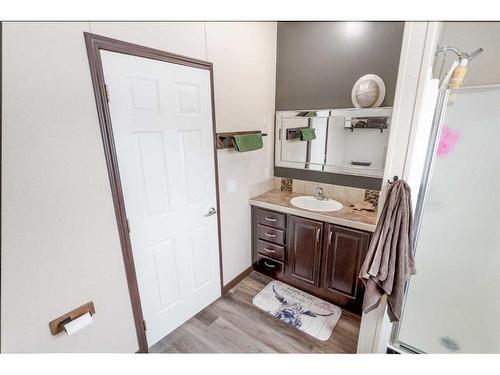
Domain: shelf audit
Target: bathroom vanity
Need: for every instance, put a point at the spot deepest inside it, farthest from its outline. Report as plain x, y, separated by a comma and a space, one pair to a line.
318, 252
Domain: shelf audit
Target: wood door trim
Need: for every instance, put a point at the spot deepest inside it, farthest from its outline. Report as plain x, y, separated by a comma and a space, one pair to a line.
94, 44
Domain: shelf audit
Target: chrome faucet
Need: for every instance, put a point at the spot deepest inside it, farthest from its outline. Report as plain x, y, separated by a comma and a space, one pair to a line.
319, 195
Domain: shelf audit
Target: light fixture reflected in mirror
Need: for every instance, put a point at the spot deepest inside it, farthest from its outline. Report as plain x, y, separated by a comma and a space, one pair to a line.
354, 29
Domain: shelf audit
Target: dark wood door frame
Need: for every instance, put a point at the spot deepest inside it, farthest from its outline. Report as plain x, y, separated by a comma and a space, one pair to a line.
94, 44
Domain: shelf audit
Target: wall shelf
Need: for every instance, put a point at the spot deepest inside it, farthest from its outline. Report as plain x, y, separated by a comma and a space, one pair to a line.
380, 123
225, 140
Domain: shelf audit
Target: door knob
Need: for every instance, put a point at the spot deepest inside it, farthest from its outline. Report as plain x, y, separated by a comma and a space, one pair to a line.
210, 212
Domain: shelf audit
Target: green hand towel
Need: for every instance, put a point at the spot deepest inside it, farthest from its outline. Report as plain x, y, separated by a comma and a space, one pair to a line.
248, 142
311, 114
307, 134
307, 114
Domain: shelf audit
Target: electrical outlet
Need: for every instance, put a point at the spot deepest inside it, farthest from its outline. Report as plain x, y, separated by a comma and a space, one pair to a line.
231, 186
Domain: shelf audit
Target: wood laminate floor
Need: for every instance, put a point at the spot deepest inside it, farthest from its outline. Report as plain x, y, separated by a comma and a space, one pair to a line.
232, 324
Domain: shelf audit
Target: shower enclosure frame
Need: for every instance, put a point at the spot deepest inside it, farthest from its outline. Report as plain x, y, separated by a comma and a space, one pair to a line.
430, 157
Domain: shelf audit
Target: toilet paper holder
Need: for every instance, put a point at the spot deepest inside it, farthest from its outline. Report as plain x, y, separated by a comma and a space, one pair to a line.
57, 325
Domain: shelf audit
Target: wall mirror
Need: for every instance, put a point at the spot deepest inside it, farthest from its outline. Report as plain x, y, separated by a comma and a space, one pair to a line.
344, 141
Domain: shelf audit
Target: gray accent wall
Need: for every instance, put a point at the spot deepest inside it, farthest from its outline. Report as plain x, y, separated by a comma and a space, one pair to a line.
319, 62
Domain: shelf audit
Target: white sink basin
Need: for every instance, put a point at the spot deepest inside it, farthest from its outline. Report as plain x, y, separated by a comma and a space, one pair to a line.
308, 202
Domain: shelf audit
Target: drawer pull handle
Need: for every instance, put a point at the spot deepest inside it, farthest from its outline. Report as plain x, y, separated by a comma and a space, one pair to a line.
269, 265
269, 250
270, 219
269, 234
330, 237
317, 234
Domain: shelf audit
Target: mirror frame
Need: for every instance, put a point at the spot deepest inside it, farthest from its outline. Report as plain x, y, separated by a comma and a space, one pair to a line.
327, 169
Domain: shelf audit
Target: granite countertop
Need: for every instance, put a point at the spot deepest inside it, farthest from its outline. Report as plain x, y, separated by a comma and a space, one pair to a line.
279, 200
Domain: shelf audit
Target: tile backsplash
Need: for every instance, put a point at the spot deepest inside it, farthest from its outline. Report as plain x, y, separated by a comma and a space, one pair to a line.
286, 184
342, 193
372, 196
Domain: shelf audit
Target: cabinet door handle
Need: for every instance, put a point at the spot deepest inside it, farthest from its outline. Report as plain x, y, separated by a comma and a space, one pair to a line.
269, 265
330, 237
317, 234
270, 235
270, 219
269, 250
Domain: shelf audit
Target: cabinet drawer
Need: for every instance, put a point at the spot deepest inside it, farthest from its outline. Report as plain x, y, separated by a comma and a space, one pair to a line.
271, 219
270, 234
271, 250
269, 266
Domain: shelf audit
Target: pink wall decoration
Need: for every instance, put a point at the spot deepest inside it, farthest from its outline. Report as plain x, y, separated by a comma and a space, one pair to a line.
449, 138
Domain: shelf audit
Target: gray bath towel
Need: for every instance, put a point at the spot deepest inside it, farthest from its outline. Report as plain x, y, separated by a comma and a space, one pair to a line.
389, 262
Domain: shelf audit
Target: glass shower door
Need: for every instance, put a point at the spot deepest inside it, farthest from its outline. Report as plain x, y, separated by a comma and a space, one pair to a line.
453, 303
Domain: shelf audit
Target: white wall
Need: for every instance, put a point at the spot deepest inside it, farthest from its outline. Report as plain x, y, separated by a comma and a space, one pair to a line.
60, 245
244, 57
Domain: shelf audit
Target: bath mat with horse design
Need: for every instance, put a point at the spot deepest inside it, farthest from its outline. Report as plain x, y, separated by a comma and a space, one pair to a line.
301, 310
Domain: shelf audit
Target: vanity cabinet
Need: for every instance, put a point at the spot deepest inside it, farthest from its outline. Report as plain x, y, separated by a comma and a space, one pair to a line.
320, 258
303, 259
344, 250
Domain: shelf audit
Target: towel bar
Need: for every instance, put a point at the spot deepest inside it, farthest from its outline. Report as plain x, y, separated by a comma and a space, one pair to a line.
225, 140
380, 123
294, 133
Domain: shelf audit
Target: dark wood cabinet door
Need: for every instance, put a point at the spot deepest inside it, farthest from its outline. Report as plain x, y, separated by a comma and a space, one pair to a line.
344, 251
303, 260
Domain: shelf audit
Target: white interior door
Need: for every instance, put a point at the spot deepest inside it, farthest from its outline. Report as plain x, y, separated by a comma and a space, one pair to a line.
161, 115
